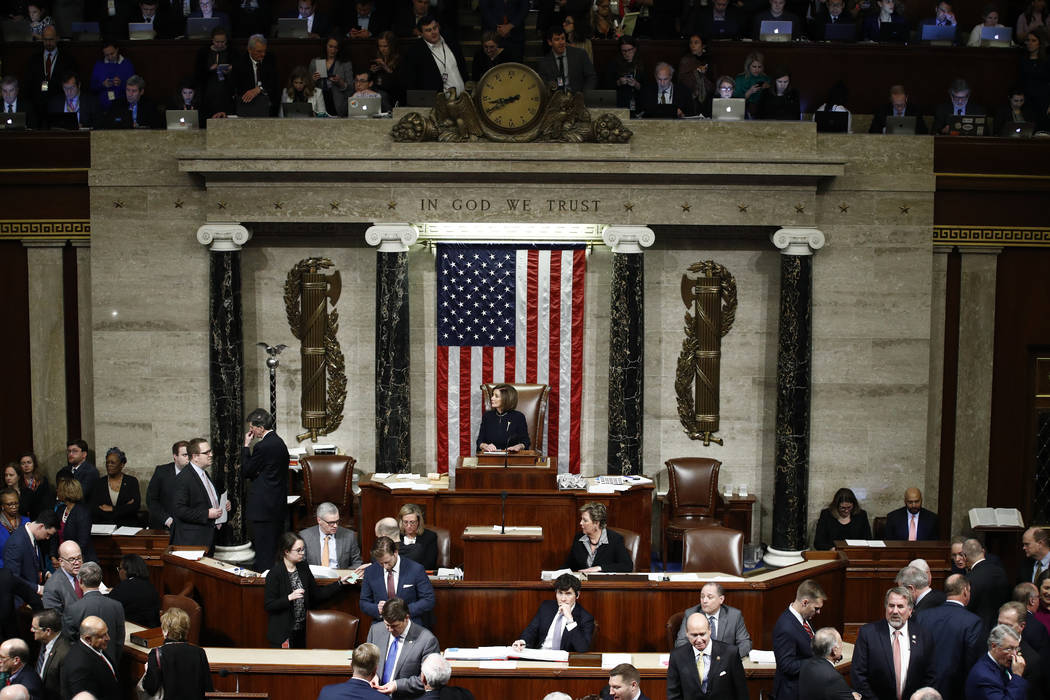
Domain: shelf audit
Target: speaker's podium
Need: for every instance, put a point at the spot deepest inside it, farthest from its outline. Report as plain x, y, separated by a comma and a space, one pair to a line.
492, 555
527, 470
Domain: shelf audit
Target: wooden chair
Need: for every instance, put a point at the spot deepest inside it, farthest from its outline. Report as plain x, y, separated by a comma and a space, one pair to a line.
444, 545
330, 629
713, 548
532, 403
692, 497
878, 526
329, 478
674, 623
631, 541
191, 608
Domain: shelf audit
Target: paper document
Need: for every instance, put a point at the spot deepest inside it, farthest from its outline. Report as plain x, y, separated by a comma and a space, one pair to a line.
876, 543
323, 571
674, 576
476, 653
127, 530
225, 514
540, 654
614, 660
191, 554
665, 660
499, 665
600, 488
762, 657
292, 499
103, 529
857, 543
551, 575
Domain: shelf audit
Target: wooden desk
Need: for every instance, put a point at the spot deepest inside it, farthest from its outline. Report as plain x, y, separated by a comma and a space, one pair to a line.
627, 607
871, 571
557, 512
491, 555
531, 472
148, 544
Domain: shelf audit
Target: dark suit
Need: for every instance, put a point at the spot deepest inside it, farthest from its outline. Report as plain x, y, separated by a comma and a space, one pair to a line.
22, 558
111, 612
147, 116
929, 601
84, 669
34, 76
346, 555
86, 472
276, 603
823, 19
878, 125
580, 69
681, 99
1026, 572
604, 695
725, 678
192, 526
77, 529
52, 675
1036, 634
140, 600
423, 551
577, 639
244, 80
945, 111
160, 496
353, 689
266, 507
377, 23
818, 680
729, 27
322, 27
989, 588
26, 107
224, 19
417, 644
184, 671
87, 114
791, 646
12, 588
785, 16
413, 587
421, 71
960, 642
612, 557
27, 677
126, 512
897, 520
165, 24
873, 676
987, 681
729, 628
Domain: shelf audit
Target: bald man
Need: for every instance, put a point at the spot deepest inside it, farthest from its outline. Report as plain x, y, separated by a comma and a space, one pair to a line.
86, 667
912, 522
705, 667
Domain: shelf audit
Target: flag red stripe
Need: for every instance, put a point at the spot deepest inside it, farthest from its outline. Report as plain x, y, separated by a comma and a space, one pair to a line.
532, 316
554, 353
576, 374
442, 408
465, 390
486, 367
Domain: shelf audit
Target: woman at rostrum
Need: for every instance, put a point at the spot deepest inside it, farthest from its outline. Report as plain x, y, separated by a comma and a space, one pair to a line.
503, 428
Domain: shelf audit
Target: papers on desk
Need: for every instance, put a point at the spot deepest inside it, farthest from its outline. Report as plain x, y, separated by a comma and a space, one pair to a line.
477, 654
551, 575
456, 573
323, 571
103, 529
554, 655
865, 543
614, 660
690, 576
190, 554
757, 656
604, 488
520, 529
126, 530
499, 665
410, 487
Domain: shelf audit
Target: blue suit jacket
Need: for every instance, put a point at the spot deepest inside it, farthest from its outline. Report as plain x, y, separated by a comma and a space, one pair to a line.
959, 644
22, 557
27, 677
791, 648
873, 676
413, 587
987, 681
897, 525
353, 689
577, 639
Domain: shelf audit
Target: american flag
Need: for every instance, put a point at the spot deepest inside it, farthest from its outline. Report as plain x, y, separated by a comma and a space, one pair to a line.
509, 313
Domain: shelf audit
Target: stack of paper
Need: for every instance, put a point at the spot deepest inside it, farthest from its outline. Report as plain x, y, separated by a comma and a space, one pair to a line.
103, 529
125, 530
762, 657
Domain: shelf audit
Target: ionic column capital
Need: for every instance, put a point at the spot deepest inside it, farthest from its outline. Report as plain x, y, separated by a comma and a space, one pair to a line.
391, 238
798, 241
628, 239
223, 238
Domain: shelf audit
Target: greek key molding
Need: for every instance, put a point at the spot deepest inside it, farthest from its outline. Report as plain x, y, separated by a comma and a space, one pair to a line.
991, 236
36, 229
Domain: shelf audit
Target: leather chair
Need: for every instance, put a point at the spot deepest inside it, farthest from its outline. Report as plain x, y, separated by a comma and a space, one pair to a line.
674, 623
444, 544
330, 629
532, 403
192, 608
329, 478
631, 540
692, 497
713, 548
878, 526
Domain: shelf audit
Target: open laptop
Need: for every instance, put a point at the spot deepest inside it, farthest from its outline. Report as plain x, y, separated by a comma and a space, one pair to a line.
182, 119
67, 121
774, 30
730, 109
600, 98
201, 27
116, 119
138, 31
901, 125
16, 121
297, 110
840, 31
15, 31
831, 122
996, 36
893, 33
86, 31
364, 106
1017, 130
938, 35
420, 98
969, 125
292, 29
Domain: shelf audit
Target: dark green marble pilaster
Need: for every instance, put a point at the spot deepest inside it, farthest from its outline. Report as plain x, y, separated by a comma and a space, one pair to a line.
626, 367
393, 416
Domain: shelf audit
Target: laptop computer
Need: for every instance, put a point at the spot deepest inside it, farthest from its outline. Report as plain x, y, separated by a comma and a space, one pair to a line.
901, 125
364, 106
774, 30
661, 112
16, 121
86, 31
138, 31
831, 122
292, 29
893, 33
201, 27
15, 31
840, 31
420, 98
182, 119
297, 110
730, 109
1017, 130
996, 36
67, 121
969, 125
600, 98
116, 119
937, 33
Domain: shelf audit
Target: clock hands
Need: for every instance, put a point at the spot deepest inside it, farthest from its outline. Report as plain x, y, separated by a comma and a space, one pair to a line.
502, 102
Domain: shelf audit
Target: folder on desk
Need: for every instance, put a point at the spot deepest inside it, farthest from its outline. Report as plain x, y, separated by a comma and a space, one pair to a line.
103, 529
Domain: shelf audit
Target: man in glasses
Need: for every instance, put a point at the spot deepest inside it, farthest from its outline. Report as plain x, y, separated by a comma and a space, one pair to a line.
328, 544
63, 589
1000, 672
197, 505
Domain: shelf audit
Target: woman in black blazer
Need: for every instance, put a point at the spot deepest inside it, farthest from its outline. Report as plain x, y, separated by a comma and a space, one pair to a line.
180, 668
35, 493
124, 510
290, 591
599, 548
74, 518
136, 593
417, 543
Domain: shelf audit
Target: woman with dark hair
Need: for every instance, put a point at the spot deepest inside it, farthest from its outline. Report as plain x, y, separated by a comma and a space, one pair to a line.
1034, 72
136, 593
337, 82
9, 515
843, 519
387, 67
624, 74
598, 548
416, 542
187, 97
836, 101
577, 35
885, 13
989, 18
290, 591
116, 501
177, 667
34, 492
781, 101
12, 480
1042, 584
490, 54
695, 71
74, 517
1034, 16
503, 428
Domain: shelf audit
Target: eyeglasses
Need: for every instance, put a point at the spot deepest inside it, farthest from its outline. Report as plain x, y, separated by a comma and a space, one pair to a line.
330, 522
72, 560
299, 550
10, 505
205, 452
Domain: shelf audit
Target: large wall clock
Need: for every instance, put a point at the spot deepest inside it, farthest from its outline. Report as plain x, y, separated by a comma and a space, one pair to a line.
511, 99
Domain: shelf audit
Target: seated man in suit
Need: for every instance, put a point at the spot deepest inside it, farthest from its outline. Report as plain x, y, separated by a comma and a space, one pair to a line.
47, 631
436, 672
727, 623
566, 66
63, 587
818, 679
144, 111
624, 684
718, 21
705, 668
898, 106
403, 645
834, 12
160, 495
777, 13
365, 22
207, 11
328, 544
71, 100
407, 579
886, 669
12, 103
164, 23
86, 666
792, 636
559, 623
916, 578
318, 25
15, 662
912, 522
664, 98
363, 664
22, 553
999, 674
959, 104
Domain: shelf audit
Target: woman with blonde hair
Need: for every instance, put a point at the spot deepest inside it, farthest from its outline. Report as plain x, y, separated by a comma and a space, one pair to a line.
416, 542
179, 668
301, 89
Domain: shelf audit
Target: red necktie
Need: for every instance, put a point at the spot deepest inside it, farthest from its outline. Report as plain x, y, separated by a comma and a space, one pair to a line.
76, 587
809, 630
390, 585
48, 65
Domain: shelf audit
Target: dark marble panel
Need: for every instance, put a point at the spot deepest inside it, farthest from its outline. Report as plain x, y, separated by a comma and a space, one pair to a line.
393, 415
626, 338
794, 348
226, 367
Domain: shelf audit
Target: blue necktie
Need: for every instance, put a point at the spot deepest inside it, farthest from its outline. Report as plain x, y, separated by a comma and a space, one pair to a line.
391, 658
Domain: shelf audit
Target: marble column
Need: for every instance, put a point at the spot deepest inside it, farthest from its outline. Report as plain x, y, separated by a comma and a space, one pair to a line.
393, 405
626, 344
794, 347
47, 340
226, 369
936, 382
87, 372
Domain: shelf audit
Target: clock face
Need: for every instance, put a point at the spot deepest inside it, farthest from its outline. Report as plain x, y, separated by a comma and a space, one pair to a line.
510, 97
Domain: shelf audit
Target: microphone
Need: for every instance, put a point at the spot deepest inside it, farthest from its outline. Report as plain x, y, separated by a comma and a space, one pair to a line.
506, 448
503, 512
223, 673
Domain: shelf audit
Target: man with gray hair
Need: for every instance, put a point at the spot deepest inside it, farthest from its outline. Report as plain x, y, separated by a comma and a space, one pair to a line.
1013, 615
258, 93
1035, 633
818, 679
328, 544
266, 465
387, 527
15, 692
143, 111
435, 674
891, 658
94, 604
960, 637
989, 586
664, 98
999, 674
926, 693
557, 695
916, 578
